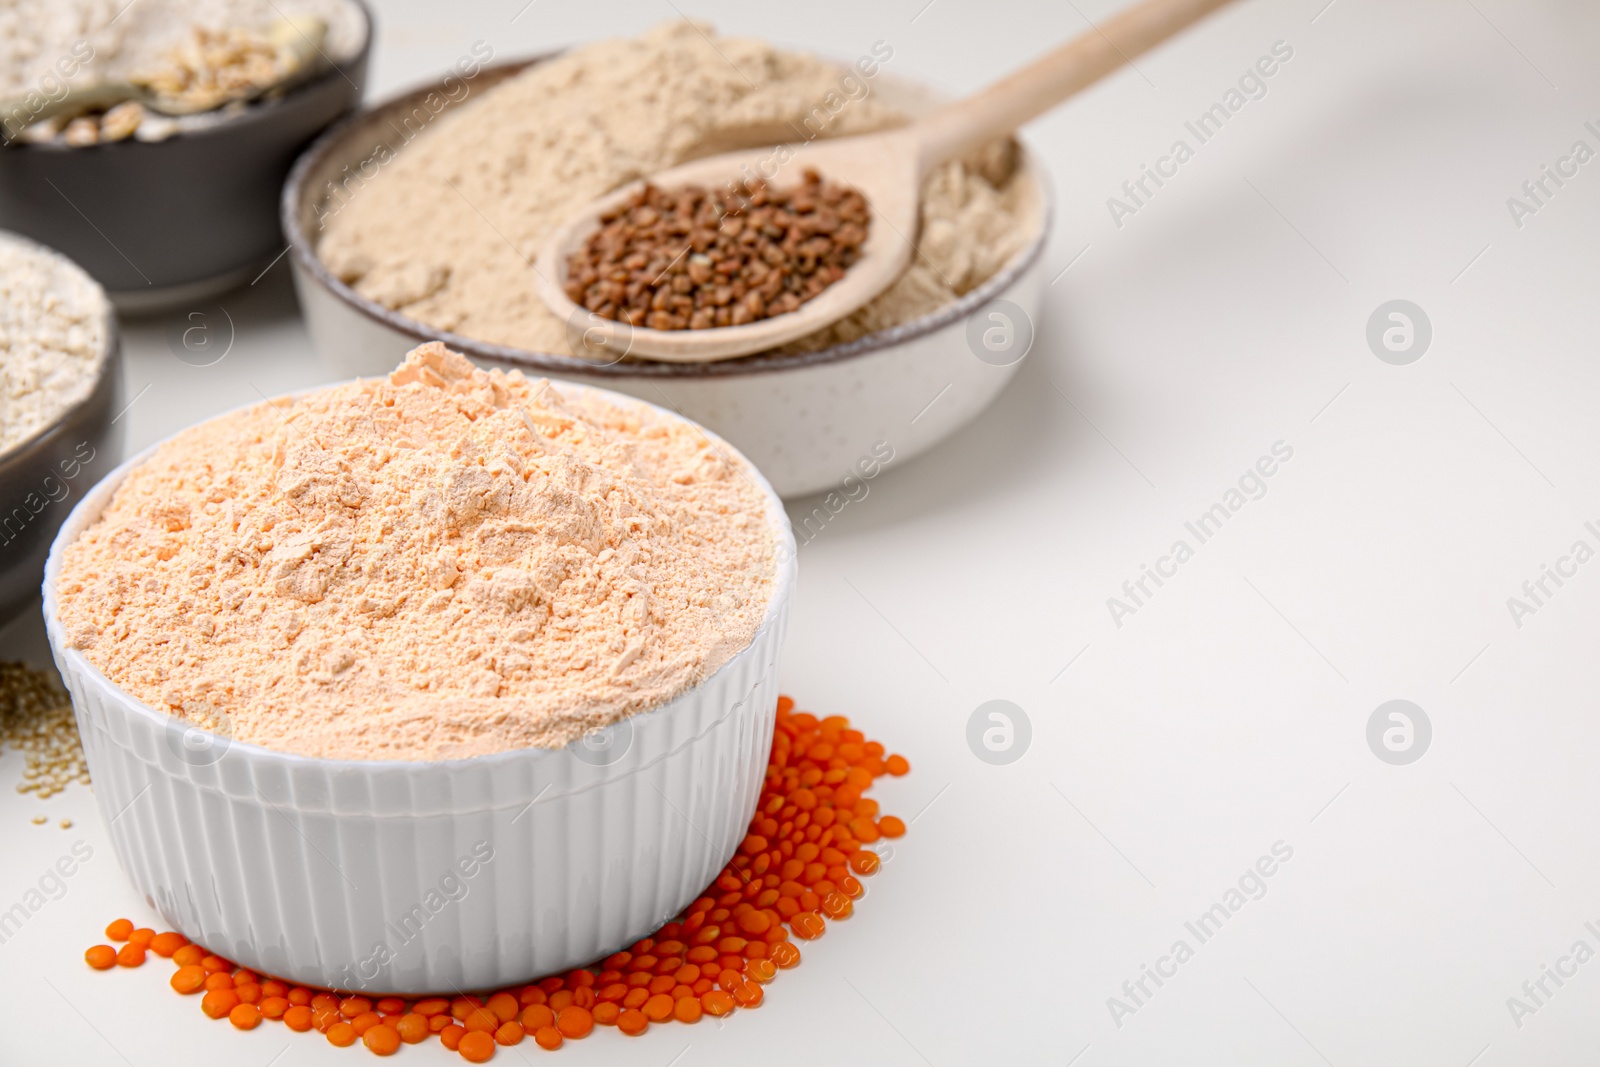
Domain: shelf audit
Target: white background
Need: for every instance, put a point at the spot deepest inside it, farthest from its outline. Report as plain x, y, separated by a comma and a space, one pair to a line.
1229, 713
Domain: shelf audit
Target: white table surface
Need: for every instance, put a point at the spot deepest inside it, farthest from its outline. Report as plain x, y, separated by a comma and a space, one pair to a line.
1229, 713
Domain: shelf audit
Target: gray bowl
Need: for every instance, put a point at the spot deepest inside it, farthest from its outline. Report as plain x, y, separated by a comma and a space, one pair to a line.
43, 478
160, 223
810, 421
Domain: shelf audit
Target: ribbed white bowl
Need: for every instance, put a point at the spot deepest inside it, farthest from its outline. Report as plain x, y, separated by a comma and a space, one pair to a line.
413, 877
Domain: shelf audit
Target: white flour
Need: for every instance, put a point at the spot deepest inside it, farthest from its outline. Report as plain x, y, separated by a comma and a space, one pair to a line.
53, 321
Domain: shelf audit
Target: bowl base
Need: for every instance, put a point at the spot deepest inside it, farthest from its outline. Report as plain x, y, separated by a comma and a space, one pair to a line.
155, 301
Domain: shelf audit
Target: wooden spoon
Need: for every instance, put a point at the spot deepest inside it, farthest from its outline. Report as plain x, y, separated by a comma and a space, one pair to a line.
887, 168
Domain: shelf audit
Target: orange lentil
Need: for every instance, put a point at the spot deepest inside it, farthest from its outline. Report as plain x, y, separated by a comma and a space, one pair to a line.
687, 1009
217, 980
632, 1022
216, 965
249, 993
864, 862
273, 1007
451, 1036
298, 1018
716, 1002
504, 1006
119, 929
837, 906
548, 1037
481, 1020
560, 999
365, 1021
245, 1016
807, 925
574, 1022
762, 970
412, 1028
536, 1017
889, 826
350, 1007
219, 1002
476, 1047
142, 937
382, 1040
131, 955
606, 1013
509, 1033
101, 957
165, 944
189, 956
341, 1034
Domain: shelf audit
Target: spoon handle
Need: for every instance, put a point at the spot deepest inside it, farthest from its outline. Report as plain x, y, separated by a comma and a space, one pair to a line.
1047, 81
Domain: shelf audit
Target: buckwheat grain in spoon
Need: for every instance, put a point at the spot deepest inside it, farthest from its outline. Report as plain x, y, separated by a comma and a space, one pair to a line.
663, 268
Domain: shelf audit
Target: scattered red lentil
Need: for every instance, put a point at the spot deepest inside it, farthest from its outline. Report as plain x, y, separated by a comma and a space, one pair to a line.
384, 1040
476, 1047
794, 872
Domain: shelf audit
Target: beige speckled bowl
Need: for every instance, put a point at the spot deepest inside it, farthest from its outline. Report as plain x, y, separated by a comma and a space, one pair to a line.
805, 420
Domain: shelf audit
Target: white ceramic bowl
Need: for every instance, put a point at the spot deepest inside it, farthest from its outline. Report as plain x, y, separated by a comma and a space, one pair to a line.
805, 420
426, 877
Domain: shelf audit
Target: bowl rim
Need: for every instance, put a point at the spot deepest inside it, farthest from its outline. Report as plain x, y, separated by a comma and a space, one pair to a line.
302, 253
784, 579
19, 453
256, 112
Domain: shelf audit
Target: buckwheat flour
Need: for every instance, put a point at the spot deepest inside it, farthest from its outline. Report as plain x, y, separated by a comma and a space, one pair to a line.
443, 231
444, 563
53, 323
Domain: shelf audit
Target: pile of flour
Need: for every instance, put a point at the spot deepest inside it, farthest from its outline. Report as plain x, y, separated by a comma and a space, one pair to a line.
444, 563
53, 338
444, 232
106, 40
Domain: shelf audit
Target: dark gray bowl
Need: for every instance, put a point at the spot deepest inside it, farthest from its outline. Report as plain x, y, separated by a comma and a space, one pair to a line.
41, 480
160, 223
